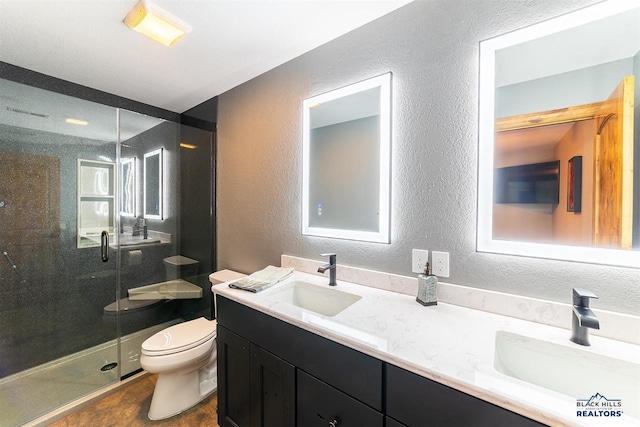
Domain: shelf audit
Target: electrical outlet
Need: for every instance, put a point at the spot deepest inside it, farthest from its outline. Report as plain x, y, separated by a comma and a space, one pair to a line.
440, 264
419, 258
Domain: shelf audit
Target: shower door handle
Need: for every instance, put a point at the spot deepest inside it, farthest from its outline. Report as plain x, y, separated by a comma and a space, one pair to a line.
104, 246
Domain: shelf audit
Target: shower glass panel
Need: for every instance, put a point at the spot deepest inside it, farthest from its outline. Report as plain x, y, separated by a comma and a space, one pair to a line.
71, 323
146, 299
165, 258
56, 344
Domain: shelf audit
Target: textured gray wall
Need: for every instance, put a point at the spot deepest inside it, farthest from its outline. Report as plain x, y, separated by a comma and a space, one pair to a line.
432, 49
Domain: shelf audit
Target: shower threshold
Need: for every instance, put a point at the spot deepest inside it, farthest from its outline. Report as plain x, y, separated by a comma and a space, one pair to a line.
30, 394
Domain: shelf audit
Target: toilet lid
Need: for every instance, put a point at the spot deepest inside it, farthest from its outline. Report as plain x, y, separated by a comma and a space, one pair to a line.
180, 337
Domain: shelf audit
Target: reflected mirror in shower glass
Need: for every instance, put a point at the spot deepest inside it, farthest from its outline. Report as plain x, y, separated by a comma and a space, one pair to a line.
128, 180
96, 201
346, 162
153, 184
552, 93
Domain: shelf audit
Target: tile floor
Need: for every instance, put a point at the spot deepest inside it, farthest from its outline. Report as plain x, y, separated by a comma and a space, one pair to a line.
129, 406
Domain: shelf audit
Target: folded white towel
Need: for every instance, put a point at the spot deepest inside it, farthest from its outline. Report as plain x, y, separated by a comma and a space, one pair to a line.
263, 279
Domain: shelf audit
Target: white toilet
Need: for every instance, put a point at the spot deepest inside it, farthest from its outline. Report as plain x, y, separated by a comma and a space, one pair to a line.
184, 357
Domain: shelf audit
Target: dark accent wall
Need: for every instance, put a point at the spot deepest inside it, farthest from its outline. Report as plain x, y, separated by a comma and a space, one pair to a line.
198, 170
203, 115
54, 84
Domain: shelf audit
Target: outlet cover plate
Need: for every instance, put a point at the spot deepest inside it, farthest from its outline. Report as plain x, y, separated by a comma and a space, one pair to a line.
419, 258
440, 264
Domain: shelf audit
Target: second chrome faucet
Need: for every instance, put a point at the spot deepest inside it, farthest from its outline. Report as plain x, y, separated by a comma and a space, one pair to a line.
331, 267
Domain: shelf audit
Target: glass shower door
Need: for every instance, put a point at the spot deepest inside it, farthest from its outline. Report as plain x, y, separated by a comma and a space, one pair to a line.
58, 194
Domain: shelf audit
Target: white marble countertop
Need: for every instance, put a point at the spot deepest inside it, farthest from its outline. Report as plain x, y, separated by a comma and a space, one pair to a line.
450, 344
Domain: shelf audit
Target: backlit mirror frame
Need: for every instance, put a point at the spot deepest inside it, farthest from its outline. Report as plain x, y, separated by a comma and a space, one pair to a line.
382, 235
488, 48
128, 187
149, 157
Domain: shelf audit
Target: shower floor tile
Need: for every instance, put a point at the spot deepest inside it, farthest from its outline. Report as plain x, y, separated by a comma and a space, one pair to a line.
30, 394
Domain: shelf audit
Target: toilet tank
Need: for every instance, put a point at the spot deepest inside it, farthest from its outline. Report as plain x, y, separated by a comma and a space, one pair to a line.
224, 276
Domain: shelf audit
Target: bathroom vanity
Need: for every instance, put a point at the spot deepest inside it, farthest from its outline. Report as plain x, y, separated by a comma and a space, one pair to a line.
305, 353
273, 373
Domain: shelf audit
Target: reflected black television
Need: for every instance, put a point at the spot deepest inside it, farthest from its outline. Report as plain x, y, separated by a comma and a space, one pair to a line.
531, 183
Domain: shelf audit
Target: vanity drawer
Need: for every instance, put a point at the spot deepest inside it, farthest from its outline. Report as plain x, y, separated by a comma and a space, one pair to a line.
319, 404
417, 401
355, 373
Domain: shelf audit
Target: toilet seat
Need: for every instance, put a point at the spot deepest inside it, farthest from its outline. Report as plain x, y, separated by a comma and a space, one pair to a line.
180, 337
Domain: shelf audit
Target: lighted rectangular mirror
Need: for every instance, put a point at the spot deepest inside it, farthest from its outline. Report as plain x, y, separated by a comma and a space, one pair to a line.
128, 187
153, 184
346, 162
558, 177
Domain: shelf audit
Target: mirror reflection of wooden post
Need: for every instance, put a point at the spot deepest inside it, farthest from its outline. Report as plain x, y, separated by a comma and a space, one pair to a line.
613, 190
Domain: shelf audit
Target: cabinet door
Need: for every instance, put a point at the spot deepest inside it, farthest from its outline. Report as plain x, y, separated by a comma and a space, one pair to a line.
234, 380
357, 374
417, 401
321, 405
273, 388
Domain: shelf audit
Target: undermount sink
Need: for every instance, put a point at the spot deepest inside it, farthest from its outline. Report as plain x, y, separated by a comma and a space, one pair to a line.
136, 240
325, 301
569, 370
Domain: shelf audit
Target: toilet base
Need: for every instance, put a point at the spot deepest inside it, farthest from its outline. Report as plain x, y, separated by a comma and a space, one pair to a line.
180, 390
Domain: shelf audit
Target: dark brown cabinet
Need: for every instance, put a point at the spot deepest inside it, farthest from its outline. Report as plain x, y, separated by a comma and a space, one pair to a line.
255, 388
273, 390
234, 379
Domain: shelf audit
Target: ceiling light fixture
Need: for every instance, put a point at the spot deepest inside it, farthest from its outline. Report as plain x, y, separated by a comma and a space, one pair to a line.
157, 23
77, 122
187, 145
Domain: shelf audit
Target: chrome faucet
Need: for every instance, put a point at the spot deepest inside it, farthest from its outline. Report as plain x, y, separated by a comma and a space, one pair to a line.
331, 267
138, 226
582, 316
